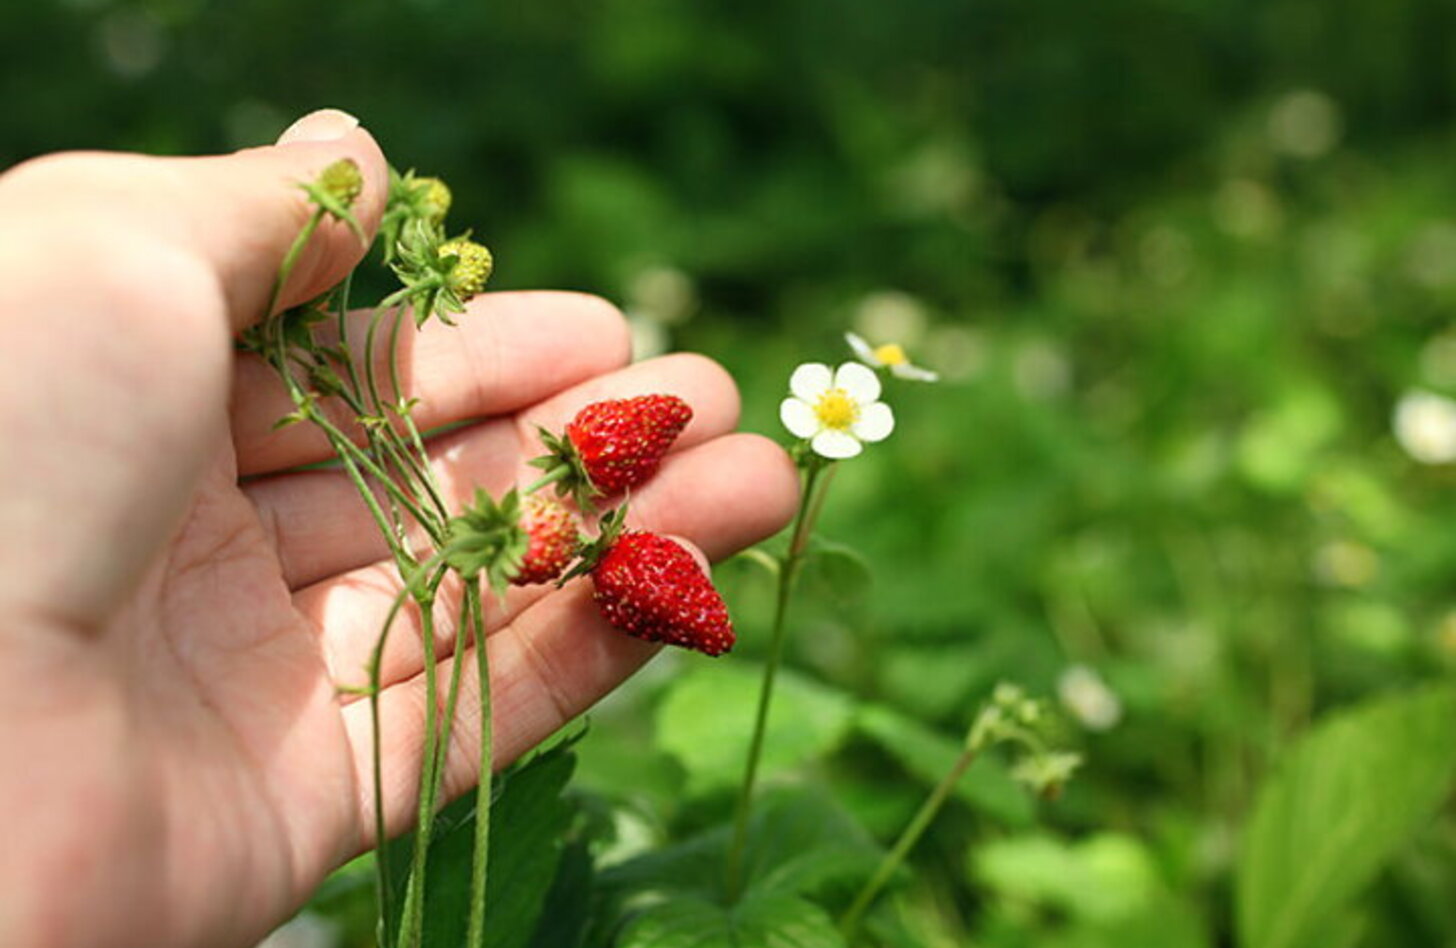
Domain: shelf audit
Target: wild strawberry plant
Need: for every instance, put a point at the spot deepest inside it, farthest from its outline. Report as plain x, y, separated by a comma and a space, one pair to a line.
781, 868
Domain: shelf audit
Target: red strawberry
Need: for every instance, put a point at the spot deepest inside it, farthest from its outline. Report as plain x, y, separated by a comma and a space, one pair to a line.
613, 445
651, 587
552, 534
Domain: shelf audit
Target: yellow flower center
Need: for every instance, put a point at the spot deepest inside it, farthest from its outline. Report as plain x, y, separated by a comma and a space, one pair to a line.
891, 354
836, 410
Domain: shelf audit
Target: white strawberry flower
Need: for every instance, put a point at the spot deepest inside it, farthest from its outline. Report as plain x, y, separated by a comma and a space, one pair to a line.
888, 356
836, 410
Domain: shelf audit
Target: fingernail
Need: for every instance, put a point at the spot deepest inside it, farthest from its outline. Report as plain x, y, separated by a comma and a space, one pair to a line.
325, 125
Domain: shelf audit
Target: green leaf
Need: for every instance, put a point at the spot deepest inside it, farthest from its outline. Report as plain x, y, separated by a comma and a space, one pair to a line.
528, 818
799, 842
1105, 878
567, 907
760, 920
928, 756
1344, 801
836, 573
707, 718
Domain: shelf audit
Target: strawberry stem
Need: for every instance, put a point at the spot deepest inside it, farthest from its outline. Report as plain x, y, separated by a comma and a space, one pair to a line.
917, 826
556, 474
811, 502
480, 860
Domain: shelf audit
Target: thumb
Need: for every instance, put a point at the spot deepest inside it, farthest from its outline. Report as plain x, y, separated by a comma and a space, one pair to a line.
119, 272
236, 215
259, 210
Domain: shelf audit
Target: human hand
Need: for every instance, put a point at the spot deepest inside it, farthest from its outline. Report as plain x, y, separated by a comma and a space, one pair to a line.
177, 763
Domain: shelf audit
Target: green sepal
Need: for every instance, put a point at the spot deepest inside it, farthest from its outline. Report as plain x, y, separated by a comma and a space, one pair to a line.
292, 418
487, 538
424, 273
335, 208
565, 471
408, 202
590, 552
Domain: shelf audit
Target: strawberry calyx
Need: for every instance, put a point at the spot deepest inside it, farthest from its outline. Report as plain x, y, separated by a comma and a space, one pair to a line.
590, 552
564, 471
486, 538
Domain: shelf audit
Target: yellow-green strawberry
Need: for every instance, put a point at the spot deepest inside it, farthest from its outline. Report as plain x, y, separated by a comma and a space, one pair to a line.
552, 537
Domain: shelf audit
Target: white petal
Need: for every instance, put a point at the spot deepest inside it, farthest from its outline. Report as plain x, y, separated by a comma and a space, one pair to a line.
914, 373
798, 416
875, 422
863, 351
835, 445
810, 380
858, 381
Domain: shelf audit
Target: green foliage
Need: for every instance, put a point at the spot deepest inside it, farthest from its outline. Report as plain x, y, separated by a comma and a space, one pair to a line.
1338, 808
1177, 262
528, 819
809, 719
761, 920
801, 844
927, 756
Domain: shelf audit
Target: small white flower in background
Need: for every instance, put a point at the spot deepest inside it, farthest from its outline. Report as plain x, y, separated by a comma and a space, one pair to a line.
889, 356
1089, 698
836, 409
1425, 426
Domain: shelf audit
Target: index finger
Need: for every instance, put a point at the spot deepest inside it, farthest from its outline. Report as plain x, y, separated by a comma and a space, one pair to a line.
507, 351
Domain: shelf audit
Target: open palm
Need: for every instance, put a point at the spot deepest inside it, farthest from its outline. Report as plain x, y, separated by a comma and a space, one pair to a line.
180, 604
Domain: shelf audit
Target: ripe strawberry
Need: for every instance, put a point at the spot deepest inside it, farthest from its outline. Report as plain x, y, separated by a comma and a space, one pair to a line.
552, 539
613, 445
651, 587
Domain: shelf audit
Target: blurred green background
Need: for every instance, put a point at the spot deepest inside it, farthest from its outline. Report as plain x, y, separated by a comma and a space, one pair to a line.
1178, 262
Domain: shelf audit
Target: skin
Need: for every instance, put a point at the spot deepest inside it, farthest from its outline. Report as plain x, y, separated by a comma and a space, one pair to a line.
177, 608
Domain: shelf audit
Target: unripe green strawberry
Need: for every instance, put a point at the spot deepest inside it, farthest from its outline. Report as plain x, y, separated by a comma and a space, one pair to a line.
651, 587
552, 532
434, 199
473, 265
613, 445
342, 181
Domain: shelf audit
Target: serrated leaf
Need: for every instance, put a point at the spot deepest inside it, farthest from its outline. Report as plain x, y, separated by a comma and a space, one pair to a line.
528, 818
707, 719
928, 756
762, 920
1345, 800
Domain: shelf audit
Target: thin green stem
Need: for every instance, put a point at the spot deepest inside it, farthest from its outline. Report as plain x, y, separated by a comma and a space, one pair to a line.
412, 925
811, 502
849, 924
355, 460
371, 384
452, 694
548, 479
403, 410
343, 327
290, 259
376, 663
348, 451
481, 857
